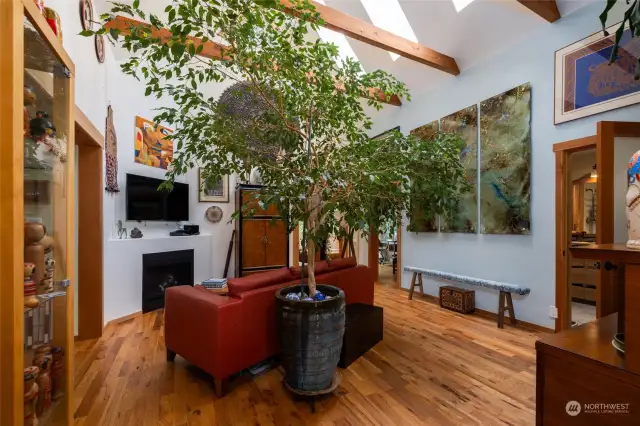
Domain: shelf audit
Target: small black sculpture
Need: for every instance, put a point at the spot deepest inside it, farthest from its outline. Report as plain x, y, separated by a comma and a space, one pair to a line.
136, 233
41, 127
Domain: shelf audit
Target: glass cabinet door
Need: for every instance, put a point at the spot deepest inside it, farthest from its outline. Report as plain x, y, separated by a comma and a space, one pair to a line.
48, 198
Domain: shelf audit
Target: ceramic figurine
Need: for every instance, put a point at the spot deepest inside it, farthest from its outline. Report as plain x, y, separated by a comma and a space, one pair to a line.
34, 233
47, 281
29, 99
41, 127
57, 373
633, 202
40, 353
30, 299
40, 5
53, 19
136, 233
30, 396
44, 386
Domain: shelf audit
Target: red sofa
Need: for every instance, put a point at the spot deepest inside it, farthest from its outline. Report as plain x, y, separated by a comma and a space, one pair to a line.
227, 334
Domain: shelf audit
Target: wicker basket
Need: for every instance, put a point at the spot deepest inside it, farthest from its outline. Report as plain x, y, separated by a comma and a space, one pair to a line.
458, 299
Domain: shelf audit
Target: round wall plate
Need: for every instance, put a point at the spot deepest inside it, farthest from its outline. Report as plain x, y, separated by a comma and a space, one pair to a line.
86, 14
213, 214
100, 47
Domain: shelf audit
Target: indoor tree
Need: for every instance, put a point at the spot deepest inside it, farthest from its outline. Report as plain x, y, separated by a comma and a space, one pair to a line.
307, 133
632, 18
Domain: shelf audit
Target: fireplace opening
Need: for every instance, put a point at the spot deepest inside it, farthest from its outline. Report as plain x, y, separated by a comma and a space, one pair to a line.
161, 271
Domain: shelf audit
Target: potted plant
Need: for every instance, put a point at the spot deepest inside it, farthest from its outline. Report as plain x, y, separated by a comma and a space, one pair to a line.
295, 114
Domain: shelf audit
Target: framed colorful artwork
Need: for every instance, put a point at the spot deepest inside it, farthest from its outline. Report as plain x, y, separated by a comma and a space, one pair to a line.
585, 83
213, 192
151, 147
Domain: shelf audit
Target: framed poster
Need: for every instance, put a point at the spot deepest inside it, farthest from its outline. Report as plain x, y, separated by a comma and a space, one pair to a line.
585, 83
213, 192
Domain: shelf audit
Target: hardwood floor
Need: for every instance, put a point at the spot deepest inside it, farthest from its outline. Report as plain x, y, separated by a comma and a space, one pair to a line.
434, 367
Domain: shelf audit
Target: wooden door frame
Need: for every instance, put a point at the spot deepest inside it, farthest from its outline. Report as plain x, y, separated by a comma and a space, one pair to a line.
604, 143
90, 143
564, 214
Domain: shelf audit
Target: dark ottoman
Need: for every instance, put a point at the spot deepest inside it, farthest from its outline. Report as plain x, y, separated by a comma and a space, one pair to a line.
363, 330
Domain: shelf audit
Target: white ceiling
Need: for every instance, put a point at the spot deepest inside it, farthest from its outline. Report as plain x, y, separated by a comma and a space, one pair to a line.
480, 31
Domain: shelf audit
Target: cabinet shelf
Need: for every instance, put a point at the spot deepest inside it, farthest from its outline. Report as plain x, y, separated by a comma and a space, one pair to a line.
45, 298
615, 252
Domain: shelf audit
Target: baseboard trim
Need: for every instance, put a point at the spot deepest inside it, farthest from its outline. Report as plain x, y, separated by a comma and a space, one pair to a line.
120, 320
486, 314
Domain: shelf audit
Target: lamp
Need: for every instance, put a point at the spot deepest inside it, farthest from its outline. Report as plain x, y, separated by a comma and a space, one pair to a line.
594, 172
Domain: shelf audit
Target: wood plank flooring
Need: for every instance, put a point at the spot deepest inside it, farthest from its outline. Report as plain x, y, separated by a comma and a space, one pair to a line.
434, 367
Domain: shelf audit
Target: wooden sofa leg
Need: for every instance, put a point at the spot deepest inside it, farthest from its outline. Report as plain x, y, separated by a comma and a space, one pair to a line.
218, 384
501, 310
171, 356
512, 312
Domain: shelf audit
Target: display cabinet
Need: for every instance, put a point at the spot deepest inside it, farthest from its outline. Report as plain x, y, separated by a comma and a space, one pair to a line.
36, 220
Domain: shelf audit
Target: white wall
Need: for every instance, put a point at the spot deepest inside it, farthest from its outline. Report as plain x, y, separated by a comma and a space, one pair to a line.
526, 260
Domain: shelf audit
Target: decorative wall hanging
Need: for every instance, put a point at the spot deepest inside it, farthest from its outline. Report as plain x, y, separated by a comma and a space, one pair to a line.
418, 223
213, 214
633, 202
86, 14
213, 192
99, 43
111, 154
505, 162
151, 146
585, 83
427, 131
465, 124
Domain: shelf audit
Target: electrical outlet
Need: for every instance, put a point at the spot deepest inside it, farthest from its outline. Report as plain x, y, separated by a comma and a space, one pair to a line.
553, 312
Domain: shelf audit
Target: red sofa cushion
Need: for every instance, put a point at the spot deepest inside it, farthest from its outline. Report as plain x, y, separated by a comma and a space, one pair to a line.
342, 263
321, 267
264, 279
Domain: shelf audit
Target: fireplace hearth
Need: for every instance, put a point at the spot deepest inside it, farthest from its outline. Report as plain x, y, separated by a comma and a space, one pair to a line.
161, 271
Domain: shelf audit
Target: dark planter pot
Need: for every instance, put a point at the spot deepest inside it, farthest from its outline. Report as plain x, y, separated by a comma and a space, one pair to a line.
310, 338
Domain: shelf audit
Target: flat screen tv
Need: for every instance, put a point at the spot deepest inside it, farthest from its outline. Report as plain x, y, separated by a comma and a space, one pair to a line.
145, 202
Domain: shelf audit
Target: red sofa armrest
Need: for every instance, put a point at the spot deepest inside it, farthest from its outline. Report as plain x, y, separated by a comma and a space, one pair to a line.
205, 328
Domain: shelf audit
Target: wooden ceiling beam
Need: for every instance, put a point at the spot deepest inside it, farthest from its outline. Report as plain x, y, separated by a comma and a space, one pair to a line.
546, 9
213, 50
370, 34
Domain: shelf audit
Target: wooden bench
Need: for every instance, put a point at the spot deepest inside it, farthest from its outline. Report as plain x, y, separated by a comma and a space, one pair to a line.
504, 289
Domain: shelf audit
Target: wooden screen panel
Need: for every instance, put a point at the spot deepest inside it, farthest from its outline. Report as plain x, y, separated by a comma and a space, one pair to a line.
277, 240
253, 251
271, 210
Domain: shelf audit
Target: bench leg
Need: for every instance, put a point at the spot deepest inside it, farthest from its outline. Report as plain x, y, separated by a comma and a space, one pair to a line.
420, 284
413, 284
501, 310
512, 312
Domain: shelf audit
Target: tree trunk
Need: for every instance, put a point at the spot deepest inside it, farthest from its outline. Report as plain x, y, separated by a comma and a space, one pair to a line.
311, 261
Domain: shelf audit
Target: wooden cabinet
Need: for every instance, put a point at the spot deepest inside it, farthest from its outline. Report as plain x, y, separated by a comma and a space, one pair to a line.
262, 239
36, 226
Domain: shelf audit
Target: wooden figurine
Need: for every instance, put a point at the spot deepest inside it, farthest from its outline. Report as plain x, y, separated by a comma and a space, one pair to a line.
633, 202
34, 232
40, 353
57, 373
44, 386
30, 299
30, 396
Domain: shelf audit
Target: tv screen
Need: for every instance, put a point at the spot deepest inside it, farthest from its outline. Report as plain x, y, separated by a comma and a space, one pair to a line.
145, 202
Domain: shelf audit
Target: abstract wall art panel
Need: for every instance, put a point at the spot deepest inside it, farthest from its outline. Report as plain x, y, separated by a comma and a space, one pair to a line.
427, 131
151, 147
585, 83
465, 124
505, 162
418, 223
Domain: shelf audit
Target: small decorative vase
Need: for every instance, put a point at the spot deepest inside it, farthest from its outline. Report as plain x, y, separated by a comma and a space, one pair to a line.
30, 299
57, 373
44, 386
30, 396
53, 19
633, 202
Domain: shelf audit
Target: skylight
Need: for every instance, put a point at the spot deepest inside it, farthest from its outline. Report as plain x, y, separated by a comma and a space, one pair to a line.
461, 4
340, 40
388, 15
